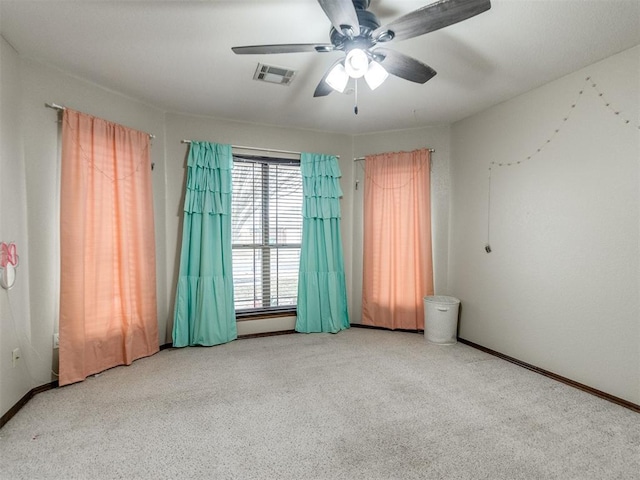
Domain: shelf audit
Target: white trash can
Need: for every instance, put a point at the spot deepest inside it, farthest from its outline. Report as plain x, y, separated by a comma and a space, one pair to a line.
441, 319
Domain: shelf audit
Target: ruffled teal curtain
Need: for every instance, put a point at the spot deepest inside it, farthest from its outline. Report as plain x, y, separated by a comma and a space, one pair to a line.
205, 313
322, 294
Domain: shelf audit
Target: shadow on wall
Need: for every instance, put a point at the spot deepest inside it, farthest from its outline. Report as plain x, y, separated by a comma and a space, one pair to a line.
176, 259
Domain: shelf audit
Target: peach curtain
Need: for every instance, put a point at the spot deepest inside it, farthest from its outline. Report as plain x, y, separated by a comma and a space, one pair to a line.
398, 268
108, 311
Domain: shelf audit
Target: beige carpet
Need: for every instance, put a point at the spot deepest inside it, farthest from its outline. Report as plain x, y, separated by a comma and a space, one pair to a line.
361, 404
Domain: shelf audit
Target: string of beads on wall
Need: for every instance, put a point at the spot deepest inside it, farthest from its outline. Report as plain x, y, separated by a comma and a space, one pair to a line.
588, 83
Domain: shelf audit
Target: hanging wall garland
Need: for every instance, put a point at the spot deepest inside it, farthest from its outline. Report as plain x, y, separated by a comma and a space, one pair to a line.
588, 83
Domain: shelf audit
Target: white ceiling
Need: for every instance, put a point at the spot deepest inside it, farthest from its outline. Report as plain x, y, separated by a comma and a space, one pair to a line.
176, 55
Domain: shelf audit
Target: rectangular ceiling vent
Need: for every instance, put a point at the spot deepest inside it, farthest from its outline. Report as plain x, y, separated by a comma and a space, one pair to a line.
271, 74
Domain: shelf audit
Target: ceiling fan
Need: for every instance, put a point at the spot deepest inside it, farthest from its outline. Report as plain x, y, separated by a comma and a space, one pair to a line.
357, 32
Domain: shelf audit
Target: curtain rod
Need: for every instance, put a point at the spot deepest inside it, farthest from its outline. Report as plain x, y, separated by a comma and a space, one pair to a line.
360, 159
60, 108
260, 149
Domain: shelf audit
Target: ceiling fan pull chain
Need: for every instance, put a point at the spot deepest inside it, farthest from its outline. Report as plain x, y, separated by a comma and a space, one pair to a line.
355, 106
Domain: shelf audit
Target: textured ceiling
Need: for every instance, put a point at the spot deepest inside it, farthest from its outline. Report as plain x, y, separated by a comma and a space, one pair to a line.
177, 55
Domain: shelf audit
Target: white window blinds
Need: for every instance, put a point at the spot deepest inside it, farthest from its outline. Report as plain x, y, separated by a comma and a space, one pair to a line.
266, 222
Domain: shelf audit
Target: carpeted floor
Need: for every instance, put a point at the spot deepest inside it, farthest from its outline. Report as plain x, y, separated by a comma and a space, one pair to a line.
361, 404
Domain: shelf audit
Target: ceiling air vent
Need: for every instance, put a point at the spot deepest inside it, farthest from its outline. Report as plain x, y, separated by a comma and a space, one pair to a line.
278, 75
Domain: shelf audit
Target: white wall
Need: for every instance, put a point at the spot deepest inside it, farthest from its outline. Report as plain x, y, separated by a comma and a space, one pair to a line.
560, 289
14, 304
30, 198
437, 138
29, 171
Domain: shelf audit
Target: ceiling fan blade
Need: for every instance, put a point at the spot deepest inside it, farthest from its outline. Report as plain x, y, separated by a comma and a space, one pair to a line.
430, 18
323, 89
403, 66
285, 48
342, 13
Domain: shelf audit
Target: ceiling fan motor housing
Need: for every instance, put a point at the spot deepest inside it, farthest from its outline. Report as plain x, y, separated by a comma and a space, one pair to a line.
368, 23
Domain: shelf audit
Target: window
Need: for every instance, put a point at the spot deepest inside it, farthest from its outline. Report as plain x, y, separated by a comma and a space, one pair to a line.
266, 220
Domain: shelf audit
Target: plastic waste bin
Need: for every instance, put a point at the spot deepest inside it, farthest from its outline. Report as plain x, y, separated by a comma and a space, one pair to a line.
441, 319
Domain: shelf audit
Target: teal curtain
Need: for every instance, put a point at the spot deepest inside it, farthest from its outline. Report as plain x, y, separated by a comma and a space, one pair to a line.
204, 313
322, 295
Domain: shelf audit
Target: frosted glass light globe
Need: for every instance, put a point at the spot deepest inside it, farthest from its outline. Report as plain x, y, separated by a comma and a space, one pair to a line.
356, 63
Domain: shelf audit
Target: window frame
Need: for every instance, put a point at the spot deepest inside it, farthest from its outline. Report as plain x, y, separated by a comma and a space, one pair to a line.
272, 311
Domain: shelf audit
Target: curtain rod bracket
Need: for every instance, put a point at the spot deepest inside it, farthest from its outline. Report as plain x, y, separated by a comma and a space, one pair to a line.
55, 106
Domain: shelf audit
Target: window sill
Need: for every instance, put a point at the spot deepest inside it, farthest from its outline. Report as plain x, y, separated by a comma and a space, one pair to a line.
244, 316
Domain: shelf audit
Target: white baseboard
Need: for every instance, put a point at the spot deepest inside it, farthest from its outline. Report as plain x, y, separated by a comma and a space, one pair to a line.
266, 325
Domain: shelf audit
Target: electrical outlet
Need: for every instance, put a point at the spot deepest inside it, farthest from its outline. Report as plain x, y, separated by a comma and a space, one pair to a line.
15, 356
56, 340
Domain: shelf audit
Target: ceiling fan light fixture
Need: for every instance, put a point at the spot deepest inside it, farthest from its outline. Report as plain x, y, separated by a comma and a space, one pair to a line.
376, 75
338, 78
357, 63
358, 34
